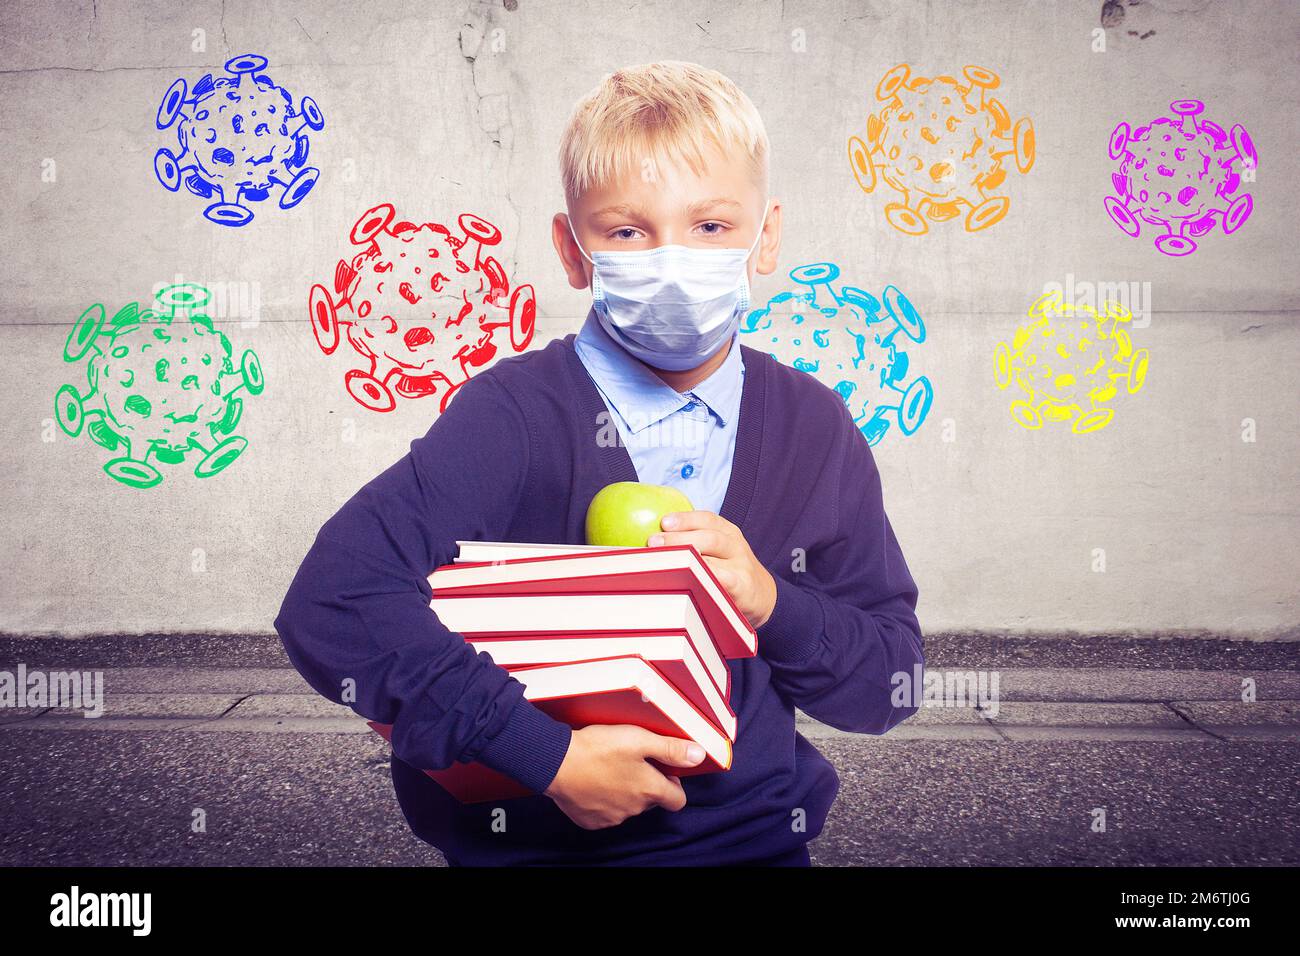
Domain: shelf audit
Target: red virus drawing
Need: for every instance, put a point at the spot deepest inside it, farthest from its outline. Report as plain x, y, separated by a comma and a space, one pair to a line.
422, 306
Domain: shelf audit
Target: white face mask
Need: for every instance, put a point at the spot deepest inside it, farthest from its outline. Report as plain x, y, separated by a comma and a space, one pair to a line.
671, 306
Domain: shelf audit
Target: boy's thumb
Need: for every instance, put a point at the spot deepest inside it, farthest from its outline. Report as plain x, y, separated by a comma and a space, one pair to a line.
678, 753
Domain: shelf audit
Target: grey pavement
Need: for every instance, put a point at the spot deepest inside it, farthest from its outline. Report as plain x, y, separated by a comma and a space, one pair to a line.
1184, 770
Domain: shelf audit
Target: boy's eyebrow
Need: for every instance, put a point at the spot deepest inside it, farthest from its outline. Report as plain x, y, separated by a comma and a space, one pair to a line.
621, 210
628, 211
696, 208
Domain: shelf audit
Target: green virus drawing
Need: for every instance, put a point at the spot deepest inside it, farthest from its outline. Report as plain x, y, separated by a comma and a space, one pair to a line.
160, 385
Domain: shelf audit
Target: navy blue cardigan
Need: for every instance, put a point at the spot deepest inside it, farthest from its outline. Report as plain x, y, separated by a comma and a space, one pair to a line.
516, 457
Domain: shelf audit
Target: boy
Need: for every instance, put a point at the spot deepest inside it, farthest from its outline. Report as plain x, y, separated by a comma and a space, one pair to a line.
665, 174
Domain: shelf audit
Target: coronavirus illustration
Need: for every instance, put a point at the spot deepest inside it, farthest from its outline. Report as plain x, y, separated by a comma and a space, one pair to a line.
241, 139
1070, 363
160, 385
1180, 175
424, 307
942, 146
852, 342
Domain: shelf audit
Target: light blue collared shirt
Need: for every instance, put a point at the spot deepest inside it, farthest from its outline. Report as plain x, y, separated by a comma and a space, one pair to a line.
685, 441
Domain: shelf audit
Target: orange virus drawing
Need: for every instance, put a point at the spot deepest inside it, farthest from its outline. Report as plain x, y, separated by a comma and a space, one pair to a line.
941, 145
1070, 364
423, 306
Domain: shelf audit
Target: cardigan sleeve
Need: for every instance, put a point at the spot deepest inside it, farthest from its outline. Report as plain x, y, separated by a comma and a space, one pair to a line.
356, 621
841, 631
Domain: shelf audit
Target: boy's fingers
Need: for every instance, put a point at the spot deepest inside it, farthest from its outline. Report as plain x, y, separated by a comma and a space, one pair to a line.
693, 521
726, 577
671, 796
705, 541
672, 751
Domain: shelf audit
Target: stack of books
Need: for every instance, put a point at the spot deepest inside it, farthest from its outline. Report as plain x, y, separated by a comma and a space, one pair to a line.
598, 636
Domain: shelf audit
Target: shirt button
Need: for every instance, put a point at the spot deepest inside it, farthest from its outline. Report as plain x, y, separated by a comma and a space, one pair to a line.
688, 470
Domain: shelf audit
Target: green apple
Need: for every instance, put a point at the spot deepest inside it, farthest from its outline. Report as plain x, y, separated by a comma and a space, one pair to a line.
626, 513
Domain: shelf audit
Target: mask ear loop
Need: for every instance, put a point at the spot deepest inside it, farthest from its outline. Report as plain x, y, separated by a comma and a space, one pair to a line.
744, 295
569, 220
761, 224
597, 292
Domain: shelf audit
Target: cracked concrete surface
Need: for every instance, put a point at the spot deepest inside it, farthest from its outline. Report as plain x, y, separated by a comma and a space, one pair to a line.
457, 107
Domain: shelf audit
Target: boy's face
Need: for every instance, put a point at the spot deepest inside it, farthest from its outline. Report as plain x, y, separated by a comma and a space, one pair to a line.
671, 205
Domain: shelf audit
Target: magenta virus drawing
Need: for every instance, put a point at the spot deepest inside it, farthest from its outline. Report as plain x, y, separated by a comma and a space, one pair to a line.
1181, 175
424, 307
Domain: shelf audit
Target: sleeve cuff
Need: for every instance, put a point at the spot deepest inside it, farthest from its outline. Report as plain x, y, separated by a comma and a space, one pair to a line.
530, 748
794, 631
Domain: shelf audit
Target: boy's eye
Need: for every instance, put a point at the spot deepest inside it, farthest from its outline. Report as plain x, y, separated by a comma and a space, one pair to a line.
713, 228
627, 233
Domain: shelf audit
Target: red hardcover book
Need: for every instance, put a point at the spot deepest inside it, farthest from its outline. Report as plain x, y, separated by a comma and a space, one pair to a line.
670, 651
613, 690
615, 570
553, 616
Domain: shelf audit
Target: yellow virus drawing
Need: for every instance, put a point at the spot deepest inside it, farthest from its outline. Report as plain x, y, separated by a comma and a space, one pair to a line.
941, 145
1070, 362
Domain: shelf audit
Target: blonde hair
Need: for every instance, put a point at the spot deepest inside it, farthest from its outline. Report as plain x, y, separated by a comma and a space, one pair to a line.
669, 110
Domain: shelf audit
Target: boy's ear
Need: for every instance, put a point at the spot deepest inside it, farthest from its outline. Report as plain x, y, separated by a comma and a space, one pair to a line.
769, 246
574, 263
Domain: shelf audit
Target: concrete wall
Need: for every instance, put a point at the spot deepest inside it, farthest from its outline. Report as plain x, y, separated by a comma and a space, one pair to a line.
443, 108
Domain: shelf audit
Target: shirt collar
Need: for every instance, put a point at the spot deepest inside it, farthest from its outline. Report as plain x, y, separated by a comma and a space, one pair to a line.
720, 392
641, 397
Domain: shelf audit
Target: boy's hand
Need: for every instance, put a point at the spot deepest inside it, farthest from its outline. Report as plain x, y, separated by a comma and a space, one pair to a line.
605, 779
724, 548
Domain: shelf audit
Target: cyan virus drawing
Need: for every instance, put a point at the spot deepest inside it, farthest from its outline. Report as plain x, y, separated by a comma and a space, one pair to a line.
241, 141
160, 385
1181, 175
1070, 364
851, 341
424, 307
942, 146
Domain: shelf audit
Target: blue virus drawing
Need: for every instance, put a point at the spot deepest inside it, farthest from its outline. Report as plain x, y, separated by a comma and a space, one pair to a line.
241, 141
851, 341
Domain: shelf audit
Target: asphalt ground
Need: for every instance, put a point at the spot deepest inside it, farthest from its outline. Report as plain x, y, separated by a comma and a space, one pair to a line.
283, 799
1146, 732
